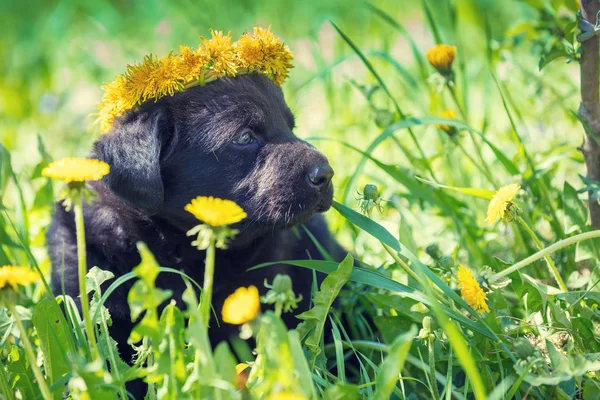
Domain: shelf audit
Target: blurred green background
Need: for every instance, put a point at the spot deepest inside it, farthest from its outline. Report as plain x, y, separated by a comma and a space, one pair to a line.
55, 56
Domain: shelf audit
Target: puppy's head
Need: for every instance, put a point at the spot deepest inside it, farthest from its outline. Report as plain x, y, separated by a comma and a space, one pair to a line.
232, 139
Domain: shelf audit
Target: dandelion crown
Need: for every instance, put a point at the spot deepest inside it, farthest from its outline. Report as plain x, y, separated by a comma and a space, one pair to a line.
257, 52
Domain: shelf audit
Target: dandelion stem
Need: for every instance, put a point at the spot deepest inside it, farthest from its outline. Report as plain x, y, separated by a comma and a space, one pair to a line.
82, 271
553, 270
546, 251
209, 271
410, 272
456, 101
151, 394
431, 345
278, 308
113, 358
484, 171
41, 381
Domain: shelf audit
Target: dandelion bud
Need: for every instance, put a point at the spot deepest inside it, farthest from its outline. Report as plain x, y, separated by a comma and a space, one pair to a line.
447, 262
429, 324
433, 250
282, 284
441, 58
370, 192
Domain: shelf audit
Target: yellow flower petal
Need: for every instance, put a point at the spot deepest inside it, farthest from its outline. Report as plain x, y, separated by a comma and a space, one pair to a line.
242, 306
76, 170
441, 57
215, 211
500, 202
471, 291
14, 276
219, 50
154, 78
448, 114
240, 368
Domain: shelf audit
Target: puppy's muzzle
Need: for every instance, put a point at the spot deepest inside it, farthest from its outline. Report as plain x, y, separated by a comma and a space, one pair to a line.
319, 176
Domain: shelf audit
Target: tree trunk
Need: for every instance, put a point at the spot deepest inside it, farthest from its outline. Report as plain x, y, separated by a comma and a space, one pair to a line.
589, 110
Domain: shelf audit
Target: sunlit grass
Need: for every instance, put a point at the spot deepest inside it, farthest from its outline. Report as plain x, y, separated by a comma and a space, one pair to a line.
364, 93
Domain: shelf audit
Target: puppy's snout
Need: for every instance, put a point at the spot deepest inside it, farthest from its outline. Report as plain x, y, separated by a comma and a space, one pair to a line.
319, 176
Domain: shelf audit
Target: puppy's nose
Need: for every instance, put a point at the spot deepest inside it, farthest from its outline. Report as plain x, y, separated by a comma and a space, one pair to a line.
319, 176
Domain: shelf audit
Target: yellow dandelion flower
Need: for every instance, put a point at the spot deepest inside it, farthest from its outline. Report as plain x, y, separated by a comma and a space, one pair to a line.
241, 377
260, 51
471, 291
277, 57
242, 306
501, 203
117, 99
240, 368
76, 170
448, 114
14, 276
286, 396
219, 50
192, 63
250, 51
215, 211
441, 57
167, 77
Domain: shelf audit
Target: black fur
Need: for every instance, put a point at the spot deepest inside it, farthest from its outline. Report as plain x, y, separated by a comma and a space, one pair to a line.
164, 154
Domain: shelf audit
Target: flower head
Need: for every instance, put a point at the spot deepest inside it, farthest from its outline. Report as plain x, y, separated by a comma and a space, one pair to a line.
191, 63
263, 51
16, 275
242, 306
154, 78
441, 57
215, 211
241, 367
448, 114
76, 170
219, 50
501, 204
286, 396
471, 291
241, 375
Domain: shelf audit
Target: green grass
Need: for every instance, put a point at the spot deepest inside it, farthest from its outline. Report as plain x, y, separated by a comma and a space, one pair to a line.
364, 94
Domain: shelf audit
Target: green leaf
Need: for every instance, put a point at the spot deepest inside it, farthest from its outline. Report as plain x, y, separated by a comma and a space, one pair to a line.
369, 66
22, 377
144, 297
56, 340
314, 319
475, 192
6, 171
169, 367
408, 123
275, 366
301, 367
554, 54
96, 277
392, 365
225, 362
591, 389
370, 226
415, 50
575, 211
342, 392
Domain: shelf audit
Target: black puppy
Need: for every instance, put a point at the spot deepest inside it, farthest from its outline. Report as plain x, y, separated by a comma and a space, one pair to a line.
230, 139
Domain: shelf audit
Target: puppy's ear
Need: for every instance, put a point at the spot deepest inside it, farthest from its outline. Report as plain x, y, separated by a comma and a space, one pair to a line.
133, 151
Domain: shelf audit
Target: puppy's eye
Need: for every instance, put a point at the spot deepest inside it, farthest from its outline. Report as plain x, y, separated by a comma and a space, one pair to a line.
244, 139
